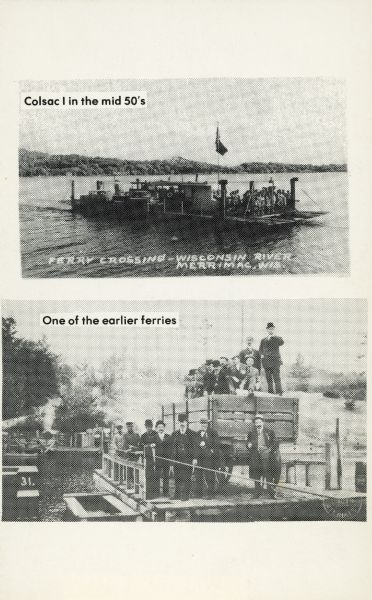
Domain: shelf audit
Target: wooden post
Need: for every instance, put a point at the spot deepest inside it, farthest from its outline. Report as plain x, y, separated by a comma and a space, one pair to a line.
327, 466
144, 478
174, 416
187, 410
339, 465
222, 203
291, 205
72, 191
360, 477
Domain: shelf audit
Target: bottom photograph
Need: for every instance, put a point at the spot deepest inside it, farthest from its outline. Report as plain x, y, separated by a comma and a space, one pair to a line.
195, 411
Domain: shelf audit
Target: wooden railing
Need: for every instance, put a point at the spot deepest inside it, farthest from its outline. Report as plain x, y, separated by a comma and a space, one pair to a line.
128, 474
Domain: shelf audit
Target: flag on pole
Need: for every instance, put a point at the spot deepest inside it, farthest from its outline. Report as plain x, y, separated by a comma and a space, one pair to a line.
220, 148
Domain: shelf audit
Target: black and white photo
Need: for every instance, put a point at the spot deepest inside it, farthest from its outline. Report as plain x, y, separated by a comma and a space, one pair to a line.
184, 411
183, 177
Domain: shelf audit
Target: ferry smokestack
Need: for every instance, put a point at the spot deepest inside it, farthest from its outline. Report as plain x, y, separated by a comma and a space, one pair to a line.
292, 202
222, 200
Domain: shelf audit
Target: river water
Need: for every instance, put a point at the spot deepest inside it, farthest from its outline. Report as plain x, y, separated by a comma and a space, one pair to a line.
56, 243
64, 474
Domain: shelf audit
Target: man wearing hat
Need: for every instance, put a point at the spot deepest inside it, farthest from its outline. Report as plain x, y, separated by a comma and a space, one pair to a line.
190, 381
132, 440
264, 457
183, 450
148, 445
224, 383
162, 449
118, 439
250, 352
208, 446
251, 377
209, 378
271, 359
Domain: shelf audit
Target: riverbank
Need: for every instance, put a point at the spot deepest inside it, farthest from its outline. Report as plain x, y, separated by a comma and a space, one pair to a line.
33, 163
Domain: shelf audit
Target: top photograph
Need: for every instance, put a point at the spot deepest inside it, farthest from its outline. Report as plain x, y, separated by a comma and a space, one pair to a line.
183, 177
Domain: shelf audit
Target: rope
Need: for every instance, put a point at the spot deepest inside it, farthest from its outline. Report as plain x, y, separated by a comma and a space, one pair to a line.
244, 478
312, 199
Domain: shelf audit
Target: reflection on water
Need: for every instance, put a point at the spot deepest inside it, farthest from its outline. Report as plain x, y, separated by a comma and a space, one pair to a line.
49, 230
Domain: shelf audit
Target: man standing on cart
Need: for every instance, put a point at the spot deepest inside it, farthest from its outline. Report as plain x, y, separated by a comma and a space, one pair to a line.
271, 359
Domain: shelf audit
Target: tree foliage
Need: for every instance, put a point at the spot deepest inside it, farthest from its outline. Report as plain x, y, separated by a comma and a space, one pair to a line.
39, 163
30, 372
79, 409
301, 373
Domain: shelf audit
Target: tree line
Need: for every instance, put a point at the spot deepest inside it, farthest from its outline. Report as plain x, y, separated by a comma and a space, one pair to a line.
41, 164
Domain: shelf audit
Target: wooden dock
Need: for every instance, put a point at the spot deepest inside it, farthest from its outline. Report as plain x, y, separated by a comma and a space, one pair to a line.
236, 503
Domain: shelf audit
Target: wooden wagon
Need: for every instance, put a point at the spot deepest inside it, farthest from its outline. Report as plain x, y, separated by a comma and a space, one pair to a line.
232, 417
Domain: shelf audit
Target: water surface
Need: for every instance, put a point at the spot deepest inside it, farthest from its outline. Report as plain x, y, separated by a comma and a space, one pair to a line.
55, 242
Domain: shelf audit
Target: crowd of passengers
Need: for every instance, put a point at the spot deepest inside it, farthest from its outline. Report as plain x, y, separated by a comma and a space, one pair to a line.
256, 203
240, 372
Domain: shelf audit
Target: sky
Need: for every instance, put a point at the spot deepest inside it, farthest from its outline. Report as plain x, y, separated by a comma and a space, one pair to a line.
327, 332
300, 120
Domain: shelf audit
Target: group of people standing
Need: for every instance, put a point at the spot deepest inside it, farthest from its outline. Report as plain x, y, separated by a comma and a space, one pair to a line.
182, 454
256, 203
188, 454
240, 372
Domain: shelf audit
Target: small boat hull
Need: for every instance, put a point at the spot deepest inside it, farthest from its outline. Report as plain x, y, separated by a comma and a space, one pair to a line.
97, 507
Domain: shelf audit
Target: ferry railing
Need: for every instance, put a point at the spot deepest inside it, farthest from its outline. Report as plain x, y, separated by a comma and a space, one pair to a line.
126, 473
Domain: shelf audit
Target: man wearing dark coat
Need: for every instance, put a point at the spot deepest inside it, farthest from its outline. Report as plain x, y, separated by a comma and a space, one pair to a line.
264, 457
271, 359
183, 450
224, 383
132, 441
250, 352
209, 378
208, 448
148, 445
162, 449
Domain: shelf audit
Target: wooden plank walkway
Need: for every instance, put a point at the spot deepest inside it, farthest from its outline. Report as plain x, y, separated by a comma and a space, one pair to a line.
236, 503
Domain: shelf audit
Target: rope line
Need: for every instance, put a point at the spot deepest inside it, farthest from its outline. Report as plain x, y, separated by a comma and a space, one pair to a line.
312, 199
244, 478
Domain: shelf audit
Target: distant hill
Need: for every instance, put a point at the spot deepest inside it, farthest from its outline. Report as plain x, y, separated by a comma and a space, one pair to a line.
33, 163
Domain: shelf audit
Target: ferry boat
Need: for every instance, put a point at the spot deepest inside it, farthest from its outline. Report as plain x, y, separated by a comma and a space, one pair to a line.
123, 476
266, 208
